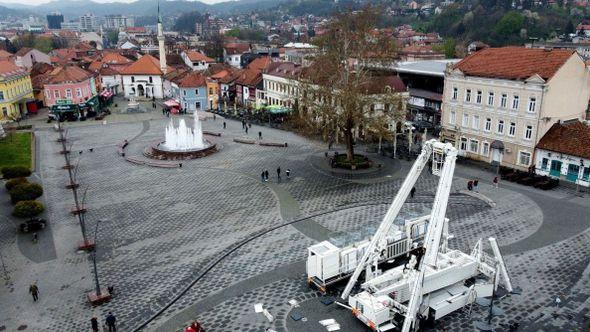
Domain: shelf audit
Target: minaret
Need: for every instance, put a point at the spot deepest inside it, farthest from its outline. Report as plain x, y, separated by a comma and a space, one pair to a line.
162, 50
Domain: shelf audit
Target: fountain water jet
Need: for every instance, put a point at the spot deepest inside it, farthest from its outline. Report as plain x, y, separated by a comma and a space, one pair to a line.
183, 137
182, 142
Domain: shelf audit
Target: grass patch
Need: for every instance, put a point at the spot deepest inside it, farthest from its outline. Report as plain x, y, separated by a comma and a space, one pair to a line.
15, 150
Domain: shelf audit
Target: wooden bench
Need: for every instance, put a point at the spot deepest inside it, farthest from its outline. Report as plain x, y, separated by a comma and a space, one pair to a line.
244, 140
135, 160
278, 144
212, 133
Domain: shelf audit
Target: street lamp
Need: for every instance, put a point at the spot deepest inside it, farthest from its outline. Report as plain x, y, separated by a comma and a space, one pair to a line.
99, 295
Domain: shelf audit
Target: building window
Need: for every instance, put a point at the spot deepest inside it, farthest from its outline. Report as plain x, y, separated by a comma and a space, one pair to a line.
488, 126
528, 132
524, 158
485, 149
1, 95
544, 164
586, 174
198, 105
475, 123
79, 92
151, 80
184, 92
452, 118
4, 112
197, 92
532, 104
512, 129
491, 99
500, 127
515, 100
503, 100
463, 145
468, 95
473, 145
56, 94
132, 79
68, 93
478, 98
465, 122
210, 91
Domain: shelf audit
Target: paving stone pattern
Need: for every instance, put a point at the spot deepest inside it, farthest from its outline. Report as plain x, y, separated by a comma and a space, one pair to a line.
161, 227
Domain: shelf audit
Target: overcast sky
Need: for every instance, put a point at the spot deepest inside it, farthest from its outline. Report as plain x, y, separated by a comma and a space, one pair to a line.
35, 2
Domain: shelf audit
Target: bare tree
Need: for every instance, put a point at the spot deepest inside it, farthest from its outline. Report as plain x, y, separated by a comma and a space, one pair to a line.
345, 93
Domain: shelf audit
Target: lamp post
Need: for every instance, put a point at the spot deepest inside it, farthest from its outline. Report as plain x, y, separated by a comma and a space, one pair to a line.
99, 295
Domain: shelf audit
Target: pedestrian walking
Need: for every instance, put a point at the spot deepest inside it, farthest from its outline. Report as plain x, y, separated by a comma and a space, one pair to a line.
259, 135
35, 238
246, 130
214, 117
34, 290
94, 324
279, 173
288, 172
412, 192
111, 321
224, 125
470, 185
262, 176
266, 175
163, 111
495, 181
475, 184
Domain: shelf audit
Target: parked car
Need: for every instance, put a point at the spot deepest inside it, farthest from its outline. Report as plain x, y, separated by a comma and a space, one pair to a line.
32, 225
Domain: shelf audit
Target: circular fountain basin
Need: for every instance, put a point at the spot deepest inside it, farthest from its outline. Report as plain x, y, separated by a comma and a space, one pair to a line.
158, 150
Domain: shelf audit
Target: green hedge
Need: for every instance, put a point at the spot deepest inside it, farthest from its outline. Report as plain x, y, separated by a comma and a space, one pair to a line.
25, 192
11, 172
10, 184
27, 209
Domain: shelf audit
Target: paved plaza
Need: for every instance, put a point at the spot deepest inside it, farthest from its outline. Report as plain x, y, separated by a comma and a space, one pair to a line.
163, 228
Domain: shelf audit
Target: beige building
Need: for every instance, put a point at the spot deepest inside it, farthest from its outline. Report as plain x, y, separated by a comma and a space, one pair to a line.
499, 102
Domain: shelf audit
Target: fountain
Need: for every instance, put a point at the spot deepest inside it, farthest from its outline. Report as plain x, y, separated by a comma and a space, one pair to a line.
182, 142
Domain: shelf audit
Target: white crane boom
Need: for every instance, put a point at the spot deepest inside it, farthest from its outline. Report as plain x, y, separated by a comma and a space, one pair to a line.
433, 238
394, 210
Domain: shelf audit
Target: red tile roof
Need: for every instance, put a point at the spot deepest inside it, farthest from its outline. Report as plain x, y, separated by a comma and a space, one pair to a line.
68, 74
569, 138
284, 69
191, 79
514, 63
198, 56
5, 55
260, 63
236, 48
249, 77
23, 51
146, 65
115, 58
8, 69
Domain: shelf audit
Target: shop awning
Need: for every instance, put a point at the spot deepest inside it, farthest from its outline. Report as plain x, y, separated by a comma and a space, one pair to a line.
64, 108
106, 94
171, 103
280, 110
90, 102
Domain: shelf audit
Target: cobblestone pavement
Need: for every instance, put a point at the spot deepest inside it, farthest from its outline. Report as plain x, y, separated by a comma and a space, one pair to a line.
161, 227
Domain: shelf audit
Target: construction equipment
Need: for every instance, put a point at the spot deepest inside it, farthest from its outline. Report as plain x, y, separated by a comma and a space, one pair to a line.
329, 263
439, 282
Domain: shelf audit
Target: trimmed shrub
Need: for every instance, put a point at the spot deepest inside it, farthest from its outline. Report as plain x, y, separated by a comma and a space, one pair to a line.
358, 161
27, 209
10, 184
25, 192
11, 172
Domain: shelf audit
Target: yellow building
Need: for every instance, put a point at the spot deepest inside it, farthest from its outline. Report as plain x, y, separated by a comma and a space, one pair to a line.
15, 90
212, 94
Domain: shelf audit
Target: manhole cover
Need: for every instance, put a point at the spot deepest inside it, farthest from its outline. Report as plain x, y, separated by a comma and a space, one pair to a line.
22, 327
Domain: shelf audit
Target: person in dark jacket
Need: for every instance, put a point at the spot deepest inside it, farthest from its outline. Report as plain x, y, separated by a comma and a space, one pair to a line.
34, 290
94, 324
111, 321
